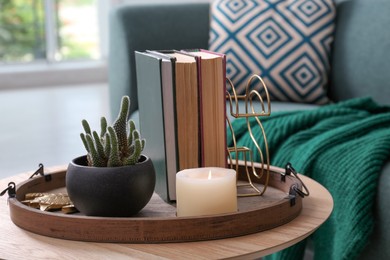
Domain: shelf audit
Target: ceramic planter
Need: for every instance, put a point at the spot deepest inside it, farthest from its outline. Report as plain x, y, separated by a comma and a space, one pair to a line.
110, 191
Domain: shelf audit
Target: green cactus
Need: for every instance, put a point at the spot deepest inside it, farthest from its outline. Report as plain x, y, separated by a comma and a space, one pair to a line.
117, 145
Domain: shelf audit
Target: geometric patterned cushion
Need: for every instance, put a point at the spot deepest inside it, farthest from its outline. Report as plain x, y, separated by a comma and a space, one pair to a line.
286, 42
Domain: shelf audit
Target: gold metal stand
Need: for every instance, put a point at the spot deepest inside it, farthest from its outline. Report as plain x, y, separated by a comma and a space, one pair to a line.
250, 98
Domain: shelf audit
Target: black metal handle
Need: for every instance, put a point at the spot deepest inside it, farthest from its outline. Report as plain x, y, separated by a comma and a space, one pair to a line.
40, 171
11, 190
290, 170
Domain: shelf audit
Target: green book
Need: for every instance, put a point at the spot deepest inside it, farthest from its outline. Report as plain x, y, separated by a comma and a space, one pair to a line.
155, 85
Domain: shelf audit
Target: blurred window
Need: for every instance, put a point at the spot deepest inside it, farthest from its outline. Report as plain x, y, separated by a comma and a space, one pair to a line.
48, 30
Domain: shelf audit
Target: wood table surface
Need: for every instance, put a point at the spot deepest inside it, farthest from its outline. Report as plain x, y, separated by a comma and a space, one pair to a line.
16, 243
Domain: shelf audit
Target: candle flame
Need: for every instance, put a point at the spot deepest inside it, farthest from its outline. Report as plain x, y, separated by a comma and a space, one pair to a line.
209, 178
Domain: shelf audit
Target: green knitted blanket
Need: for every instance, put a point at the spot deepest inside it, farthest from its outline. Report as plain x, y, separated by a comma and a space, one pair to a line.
343, 146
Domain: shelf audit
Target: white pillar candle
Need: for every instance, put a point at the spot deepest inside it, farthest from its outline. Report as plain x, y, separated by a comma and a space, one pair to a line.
206, 191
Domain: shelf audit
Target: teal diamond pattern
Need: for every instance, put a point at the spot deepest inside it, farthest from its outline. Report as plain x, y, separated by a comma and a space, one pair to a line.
286, 42
268, 36
309, 8
237, 5
234, 10
311, 11
303, 75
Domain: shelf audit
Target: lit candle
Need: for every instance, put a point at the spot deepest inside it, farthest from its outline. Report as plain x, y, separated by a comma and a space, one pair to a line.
206, 191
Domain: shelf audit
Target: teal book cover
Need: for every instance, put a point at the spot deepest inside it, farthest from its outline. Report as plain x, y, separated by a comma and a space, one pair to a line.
157, 118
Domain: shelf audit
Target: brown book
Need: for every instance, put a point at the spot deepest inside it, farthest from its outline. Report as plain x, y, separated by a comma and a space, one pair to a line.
212, 89
187, 110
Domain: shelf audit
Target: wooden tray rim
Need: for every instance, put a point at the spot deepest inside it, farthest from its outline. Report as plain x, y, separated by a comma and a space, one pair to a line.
83, 228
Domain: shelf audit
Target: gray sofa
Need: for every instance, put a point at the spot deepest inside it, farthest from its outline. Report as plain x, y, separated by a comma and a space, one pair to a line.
360, 66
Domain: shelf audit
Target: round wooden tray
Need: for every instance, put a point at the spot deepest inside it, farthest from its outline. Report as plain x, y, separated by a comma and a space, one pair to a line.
157, 222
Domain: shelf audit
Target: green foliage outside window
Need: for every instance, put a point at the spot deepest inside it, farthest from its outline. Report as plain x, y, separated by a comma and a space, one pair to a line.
22, 32
22, 36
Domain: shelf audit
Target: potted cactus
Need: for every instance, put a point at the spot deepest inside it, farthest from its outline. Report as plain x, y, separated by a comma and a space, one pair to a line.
114, 179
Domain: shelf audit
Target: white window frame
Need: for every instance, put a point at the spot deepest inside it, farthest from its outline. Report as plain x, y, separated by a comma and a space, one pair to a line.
50, 30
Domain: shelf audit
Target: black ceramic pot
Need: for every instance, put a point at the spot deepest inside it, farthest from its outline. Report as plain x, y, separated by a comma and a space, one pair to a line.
110, 191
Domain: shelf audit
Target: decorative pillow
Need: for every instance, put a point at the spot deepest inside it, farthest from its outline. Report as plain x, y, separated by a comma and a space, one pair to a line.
286, 42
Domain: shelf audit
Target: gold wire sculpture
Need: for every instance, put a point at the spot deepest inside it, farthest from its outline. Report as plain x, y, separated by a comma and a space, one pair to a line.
249, 97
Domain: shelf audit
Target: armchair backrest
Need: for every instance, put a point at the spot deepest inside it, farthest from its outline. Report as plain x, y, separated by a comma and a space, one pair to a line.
156, 27
360, 64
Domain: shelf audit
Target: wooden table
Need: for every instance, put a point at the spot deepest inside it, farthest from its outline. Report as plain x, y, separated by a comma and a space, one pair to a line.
16, 243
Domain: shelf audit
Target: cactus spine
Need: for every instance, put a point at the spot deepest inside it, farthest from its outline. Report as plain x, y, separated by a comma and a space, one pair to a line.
117, 145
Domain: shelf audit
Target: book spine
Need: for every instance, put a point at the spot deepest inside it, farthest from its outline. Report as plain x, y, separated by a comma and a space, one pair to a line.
198, 60
200, 117
224, 91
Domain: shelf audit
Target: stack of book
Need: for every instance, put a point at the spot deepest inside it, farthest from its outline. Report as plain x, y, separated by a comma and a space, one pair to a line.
181, 96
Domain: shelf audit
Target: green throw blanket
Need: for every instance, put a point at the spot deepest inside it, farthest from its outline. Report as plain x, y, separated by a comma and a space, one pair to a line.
343, 146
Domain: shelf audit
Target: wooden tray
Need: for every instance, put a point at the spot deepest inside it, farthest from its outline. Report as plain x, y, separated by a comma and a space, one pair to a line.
157, 222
